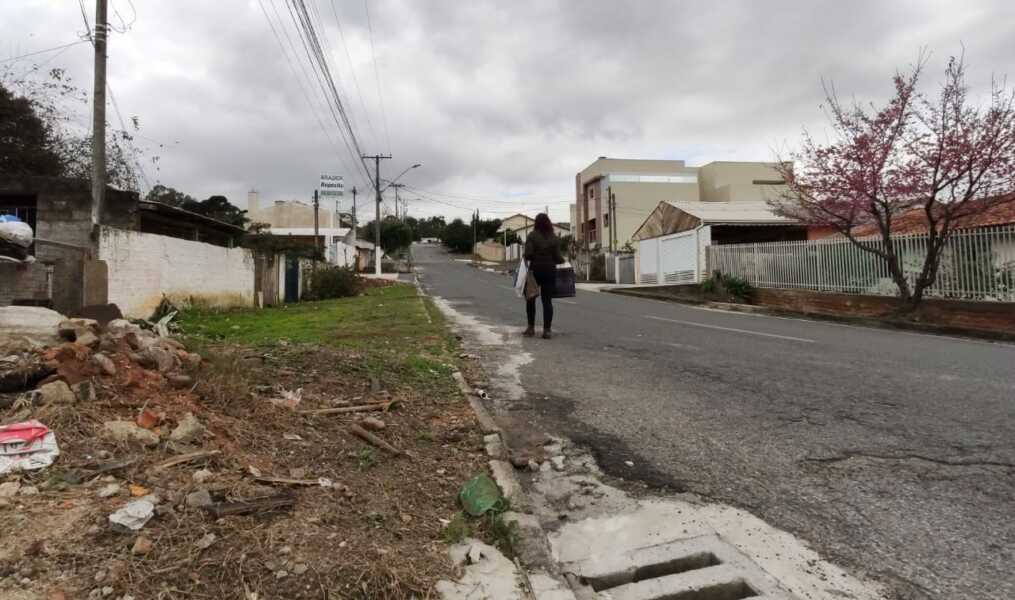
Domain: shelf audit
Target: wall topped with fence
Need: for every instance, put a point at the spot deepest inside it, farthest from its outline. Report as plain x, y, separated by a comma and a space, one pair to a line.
976, 264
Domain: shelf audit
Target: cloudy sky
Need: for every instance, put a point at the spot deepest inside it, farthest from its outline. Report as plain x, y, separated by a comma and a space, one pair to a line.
502, 102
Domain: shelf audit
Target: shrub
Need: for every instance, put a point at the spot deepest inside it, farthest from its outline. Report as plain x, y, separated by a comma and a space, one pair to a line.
334, 282
728, 287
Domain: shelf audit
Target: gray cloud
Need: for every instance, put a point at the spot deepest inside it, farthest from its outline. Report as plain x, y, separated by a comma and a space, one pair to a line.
501, 101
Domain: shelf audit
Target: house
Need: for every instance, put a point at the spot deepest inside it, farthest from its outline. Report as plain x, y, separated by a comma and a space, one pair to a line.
137, 251
295, 220
521, 225
671, 243
627, 191
364, 252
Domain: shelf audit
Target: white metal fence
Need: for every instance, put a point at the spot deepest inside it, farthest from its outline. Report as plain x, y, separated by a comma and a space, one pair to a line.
975, 265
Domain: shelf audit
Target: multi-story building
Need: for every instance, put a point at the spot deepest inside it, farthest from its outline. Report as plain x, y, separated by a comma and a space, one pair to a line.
636, 188
295, 219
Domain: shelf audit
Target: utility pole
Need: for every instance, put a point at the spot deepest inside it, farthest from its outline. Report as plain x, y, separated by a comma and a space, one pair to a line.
317, 207
609, 213
399, 208
99, 113
613, 221
353, 215
475, 232
377, 223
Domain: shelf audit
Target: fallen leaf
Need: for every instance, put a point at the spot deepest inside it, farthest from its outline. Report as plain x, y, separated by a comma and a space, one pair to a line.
138, 490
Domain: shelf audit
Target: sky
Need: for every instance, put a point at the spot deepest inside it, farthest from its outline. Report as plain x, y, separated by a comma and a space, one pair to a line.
501, 102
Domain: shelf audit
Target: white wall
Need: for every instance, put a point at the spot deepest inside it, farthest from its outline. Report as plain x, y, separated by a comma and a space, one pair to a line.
144, 266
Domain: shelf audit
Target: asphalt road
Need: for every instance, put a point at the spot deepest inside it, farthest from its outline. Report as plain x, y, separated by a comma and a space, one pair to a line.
892, 453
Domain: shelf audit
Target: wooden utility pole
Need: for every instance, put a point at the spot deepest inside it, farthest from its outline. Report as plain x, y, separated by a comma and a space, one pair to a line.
99, 113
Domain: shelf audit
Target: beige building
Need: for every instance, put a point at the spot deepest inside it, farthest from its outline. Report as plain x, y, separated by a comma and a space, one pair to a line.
295, 219
638, 186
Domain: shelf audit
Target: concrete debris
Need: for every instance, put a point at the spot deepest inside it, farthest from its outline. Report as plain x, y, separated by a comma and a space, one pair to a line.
84, 391
28, 490
21, 371
188, 430
88, 339
142, 545
159, 357
199, 499
32, 324
126, 431
56, 393
121, 327
109, 490
558, 462
9, 489
105, 364
202, 476
133, 516
488, 574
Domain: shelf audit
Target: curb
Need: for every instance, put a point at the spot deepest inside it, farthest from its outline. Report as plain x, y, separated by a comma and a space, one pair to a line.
978, 334
533, 547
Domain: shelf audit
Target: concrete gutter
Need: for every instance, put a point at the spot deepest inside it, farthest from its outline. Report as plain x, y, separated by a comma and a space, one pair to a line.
879, 323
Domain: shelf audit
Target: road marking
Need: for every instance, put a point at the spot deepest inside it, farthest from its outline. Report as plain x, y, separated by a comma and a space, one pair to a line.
506, 287
733, 329
567, 302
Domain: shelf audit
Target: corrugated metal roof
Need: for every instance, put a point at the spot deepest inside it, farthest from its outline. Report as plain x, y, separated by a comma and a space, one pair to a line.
732, 212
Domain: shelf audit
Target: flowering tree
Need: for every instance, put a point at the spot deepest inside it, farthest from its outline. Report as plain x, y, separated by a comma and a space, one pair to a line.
941, 156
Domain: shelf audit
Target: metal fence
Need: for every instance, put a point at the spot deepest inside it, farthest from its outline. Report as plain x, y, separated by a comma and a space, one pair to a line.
976, 264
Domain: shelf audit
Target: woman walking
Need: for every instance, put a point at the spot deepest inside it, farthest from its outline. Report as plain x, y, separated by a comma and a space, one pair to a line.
542, 253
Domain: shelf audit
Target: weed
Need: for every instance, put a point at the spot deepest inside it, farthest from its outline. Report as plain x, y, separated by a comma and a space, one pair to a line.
365, 459
504, 532
457, 530
424, 435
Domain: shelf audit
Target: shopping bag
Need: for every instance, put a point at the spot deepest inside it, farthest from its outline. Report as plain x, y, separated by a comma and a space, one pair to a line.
520, 277
565, 283
531, 287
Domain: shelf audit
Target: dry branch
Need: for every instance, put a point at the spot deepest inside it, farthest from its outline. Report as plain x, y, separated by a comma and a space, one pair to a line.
376, 441
382, 406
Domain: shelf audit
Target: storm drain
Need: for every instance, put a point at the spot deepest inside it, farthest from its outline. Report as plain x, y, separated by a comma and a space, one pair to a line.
702, 568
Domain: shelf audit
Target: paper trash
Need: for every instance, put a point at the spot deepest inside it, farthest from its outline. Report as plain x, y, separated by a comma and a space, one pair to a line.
26, 446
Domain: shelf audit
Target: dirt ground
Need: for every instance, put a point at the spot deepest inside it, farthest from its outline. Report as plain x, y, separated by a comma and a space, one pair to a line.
378, 529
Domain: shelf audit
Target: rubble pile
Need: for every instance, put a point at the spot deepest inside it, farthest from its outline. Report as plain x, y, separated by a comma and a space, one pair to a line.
132, 467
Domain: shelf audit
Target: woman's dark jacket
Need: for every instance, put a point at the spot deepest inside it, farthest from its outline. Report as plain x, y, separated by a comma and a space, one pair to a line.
542, 250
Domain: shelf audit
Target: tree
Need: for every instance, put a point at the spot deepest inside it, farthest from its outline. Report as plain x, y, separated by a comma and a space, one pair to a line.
487, 229
458, 236
167, 195
27, 141
943, 157
219, 207
55, 101
395, 235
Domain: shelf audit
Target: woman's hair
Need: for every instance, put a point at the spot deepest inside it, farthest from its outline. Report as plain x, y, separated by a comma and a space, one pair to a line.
543, 224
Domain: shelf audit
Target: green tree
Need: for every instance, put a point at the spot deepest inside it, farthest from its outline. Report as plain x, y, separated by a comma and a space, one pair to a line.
167, 195
458, 236
27, 144
219, 207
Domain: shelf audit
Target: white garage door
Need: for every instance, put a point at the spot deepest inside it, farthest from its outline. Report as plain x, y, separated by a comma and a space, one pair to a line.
678, 257
648, 261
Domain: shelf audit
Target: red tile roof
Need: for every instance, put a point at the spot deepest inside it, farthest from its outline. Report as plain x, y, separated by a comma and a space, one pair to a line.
915, 221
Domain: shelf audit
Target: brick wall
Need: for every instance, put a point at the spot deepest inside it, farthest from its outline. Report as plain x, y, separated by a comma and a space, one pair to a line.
144, 266
997, 317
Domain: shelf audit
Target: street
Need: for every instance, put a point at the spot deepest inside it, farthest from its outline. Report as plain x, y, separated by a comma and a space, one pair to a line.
891, 453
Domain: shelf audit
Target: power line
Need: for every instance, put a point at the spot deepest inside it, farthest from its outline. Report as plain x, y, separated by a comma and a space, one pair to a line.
315, 54
292, 69
352, 73
377, 74
13, 58
538, 200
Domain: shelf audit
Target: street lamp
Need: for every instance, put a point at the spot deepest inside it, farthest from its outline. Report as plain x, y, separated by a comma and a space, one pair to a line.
395, 180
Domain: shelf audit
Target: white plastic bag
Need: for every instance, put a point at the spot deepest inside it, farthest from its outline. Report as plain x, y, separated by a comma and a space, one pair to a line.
520, 276
16, 232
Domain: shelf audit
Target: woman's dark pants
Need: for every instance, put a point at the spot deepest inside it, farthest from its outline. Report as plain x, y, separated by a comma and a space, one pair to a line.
546, 277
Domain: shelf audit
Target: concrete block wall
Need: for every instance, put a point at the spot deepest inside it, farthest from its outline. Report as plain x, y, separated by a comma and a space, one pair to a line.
144, 266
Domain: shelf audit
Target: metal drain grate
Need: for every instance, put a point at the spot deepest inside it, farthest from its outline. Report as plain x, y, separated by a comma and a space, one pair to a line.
702, 568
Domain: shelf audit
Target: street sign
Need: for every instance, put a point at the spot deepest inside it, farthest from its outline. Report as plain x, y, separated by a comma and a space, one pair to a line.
332, 185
